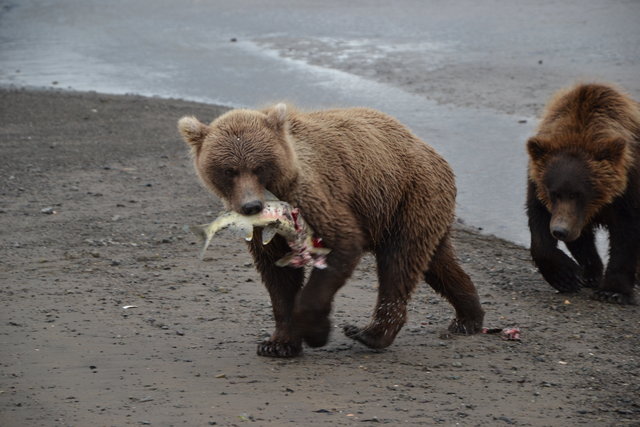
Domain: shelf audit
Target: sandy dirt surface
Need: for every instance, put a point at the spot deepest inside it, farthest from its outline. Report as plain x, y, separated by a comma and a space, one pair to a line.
95, 192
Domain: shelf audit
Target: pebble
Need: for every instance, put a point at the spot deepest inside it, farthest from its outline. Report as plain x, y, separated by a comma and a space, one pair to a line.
505, 419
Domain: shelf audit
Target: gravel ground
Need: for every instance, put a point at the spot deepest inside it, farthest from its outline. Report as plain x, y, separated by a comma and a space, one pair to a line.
95, 193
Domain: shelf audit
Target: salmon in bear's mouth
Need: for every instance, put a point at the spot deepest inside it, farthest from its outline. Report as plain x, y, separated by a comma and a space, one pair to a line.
277, 217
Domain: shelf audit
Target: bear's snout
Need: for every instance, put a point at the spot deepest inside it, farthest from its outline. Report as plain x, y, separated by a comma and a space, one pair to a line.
565, 224
560, 233
253, 207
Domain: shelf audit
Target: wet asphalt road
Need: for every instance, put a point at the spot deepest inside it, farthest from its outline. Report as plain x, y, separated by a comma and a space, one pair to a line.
468, 77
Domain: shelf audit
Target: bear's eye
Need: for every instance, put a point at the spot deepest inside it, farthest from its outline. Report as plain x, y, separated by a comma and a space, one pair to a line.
230, 173
258, 170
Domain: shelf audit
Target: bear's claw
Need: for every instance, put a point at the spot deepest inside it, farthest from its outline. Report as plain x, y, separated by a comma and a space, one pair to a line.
614, 297
269, 348
465, 326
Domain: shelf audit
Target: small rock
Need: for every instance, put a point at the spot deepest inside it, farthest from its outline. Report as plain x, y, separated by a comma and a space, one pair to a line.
48, 211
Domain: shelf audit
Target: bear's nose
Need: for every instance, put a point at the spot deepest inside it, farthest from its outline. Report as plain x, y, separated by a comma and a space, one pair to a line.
560, 233
251, 208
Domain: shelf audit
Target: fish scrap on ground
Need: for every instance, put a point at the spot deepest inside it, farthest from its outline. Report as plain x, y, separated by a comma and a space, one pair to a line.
509, 334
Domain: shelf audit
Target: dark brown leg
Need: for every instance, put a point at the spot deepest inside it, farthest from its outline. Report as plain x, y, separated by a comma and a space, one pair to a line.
282, 283
447, 278
624, 247
558, 269
314, 301
584, 251
397, 278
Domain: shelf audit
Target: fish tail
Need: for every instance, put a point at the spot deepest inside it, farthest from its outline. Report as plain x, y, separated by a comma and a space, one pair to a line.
199, 231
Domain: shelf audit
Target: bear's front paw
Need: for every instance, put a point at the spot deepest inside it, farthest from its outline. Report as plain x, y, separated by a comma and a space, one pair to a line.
314, 328
565, 278
367, 337
592, 277
272, 348
614, 297
465, 326
591, 282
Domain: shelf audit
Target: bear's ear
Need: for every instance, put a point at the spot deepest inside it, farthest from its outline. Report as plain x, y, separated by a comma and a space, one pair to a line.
193, 132
611, 150
277, 117
536, 148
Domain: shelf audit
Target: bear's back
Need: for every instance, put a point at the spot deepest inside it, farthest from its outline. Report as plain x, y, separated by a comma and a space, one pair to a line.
361, 140
368, 162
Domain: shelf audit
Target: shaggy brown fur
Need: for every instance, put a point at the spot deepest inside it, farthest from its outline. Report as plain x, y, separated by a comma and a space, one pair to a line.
364, 183
584, 172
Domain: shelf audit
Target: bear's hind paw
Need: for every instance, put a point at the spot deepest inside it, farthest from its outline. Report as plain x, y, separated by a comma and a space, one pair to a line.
614, 297
270, 348
364, 336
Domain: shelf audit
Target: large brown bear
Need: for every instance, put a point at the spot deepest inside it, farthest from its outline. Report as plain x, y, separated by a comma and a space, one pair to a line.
363, 182
584, 172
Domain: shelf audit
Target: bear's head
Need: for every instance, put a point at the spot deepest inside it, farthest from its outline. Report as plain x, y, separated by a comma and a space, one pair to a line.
243, 153
575, 178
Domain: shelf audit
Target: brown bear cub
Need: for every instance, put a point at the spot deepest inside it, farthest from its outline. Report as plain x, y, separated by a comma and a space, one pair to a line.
363, 182
584, 172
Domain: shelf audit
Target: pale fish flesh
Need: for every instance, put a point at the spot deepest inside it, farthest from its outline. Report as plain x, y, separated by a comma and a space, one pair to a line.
276, 217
